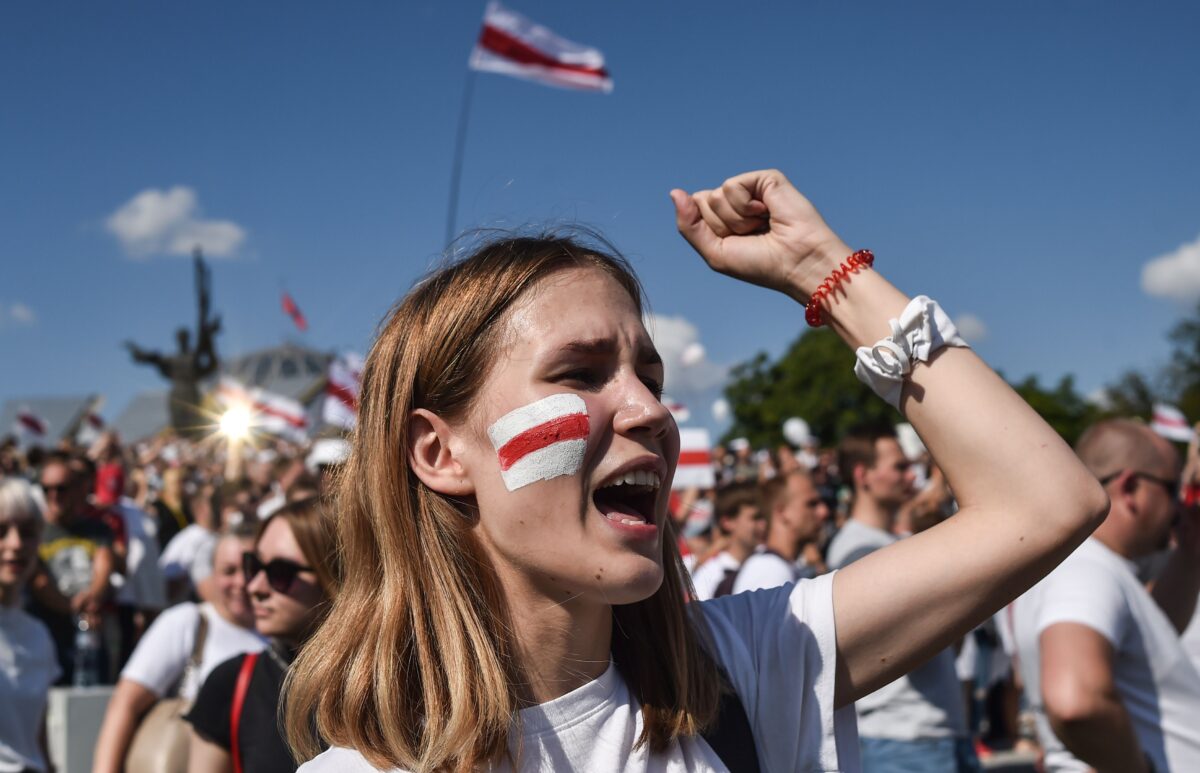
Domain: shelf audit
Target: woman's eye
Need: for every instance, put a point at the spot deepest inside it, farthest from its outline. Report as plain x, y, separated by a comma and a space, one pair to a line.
584, 376
655, 387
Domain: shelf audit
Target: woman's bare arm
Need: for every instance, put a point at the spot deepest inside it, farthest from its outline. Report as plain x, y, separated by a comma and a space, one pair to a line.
206, 757
1026, 501
129, 703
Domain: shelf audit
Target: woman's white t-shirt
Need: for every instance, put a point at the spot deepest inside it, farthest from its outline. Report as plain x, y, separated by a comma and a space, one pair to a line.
779, 649
27, 669
160, 658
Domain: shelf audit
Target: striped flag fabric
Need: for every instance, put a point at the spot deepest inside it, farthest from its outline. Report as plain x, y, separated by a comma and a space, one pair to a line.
512, 45
695, 460
677, 409
542, 440
342, 384
292, 310
271, 413
29, 423
1169, 422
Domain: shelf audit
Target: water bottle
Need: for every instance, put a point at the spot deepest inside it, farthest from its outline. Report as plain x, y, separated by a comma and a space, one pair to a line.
87, 654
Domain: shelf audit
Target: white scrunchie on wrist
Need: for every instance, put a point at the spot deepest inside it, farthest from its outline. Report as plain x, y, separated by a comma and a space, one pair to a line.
922, 329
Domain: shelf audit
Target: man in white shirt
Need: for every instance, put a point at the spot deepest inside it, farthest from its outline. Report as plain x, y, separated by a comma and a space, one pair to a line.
795, 514
1110, 684
917, 722
741, 526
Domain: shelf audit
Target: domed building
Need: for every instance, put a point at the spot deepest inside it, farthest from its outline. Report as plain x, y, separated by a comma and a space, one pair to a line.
290, 370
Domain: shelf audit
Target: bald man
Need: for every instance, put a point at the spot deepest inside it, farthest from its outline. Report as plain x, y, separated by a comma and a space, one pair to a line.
1109, 682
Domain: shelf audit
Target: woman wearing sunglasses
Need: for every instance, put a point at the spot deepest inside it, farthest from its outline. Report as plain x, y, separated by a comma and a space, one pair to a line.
183, 645
290, 576
514, 597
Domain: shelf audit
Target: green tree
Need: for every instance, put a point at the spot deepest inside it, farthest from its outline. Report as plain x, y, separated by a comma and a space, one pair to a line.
813, 380
1182, 376
1130, 395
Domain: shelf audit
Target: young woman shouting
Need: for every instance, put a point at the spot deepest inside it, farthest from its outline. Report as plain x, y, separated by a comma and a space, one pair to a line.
512, 597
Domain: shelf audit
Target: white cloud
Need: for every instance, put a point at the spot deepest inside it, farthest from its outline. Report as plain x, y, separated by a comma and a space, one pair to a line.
168, 222
688, 369
16, 314
971, 328
1175, 275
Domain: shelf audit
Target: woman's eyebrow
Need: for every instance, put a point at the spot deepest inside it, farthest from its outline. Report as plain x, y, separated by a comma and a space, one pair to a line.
591, 346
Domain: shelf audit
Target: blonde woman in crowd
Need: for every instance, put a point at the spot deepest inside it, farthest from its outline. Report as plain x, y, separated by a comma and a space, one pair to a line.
27, 663
513, 597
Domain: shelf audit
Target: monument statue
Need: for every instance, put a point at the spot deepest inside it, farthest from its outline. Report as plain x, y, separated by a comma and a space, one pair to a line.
187, 367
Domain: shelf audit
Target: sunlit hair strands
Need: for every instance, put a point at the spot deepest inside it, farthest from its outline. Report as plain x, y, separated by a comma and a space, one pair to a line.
414, 667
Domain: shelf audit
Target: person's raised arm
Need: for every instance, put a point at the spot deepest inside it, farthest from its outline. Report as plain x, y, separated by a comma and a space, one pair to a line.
1026, 501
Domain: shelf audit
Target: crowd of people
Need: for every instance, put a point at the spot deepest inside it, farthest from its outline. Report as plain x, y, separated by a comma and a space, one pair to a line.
497, 575
147, 567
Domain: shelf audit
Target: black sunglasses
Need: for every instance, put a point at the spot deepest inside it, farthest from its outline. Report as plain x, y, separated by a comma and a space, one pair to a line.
281, 573
1172, 487
61, 488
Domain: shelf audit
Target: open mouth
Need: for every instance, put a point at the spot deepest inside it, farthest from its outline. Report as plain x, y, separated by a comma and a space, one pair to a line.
630, 498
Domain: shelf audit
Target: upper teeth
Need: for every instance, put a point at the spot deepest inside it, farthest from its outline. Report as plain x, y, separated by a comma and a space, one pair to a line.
636, 478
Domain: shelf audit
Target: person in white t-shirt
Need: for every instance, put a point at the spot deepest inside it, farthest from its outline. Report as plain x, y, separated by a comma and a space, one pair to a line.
919, 721
186, 561
160, 667
513, 596
28, 665
1109, 682
795, 515
741, 526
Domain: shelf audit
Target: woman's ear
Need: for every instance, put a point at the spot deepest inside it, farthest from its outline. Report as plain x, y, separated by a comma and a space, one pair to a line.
431, 455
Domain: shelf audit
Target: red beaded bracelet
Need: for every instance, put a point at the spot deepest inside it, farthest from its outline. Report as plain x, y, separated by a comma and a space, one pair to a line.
860, 259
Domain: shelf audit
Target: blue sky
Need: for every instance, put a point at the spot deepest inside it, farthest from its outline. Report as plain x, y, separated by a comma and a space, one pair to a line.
1019, 161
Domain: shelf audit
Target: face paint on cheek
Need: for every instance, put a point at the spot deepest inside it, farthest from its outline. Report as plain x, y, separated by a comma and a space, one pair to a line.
542, 440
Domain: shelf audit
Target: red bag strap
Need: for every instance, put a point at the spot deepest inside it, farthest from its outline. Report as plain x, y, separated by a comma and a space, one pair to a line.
235, 713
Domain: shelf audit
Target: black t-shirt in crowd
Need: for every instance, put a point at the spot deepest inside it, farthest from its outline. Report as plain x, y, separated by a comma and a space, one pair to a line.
262, 746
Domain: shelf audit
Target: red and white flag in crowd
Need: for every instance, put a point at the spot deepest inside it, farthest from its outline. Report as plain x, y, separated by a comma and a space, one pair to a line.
677, 409
269, 412
1170, 422
512, 45
341, 391
30, 424
292, 310
695, 460
91, 426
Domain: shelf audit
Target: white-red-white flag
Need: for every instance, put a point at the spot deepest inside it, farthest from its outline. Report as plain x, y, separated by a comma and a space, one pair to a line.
30, 424
512, 45
1170, 422
341, 391
271, 413
677, 409
695, 460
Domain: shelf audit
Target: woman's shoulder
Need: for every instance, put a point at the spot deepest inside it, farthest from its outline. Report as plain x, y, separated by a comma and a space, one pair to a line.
338, 760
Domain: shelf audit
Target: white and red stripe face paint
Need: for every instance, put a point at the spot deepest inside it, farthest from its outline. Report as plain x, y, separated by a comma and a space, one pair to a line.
543, 440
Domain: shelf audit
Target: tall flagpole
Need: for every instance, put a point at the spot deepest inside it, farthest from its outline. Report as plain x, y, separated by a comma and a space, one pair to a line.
460, 144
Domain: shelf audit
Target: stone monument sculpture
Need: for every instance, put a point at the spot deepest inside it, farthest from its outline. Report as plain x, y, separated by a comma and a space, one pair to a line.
188, 366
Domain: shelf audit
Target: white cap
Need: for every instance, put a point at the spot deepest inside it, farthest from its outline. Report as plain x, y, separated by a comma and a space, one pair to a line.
327, 451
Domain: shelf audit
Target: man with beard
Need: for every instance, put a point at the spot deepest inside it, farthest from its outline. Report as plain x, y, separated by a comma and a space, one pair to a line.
1109, 682
917, 722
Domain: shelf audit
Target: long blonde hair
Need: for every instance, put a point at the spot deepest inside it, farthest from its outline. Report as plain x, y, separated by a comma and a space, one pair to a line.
414, 666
